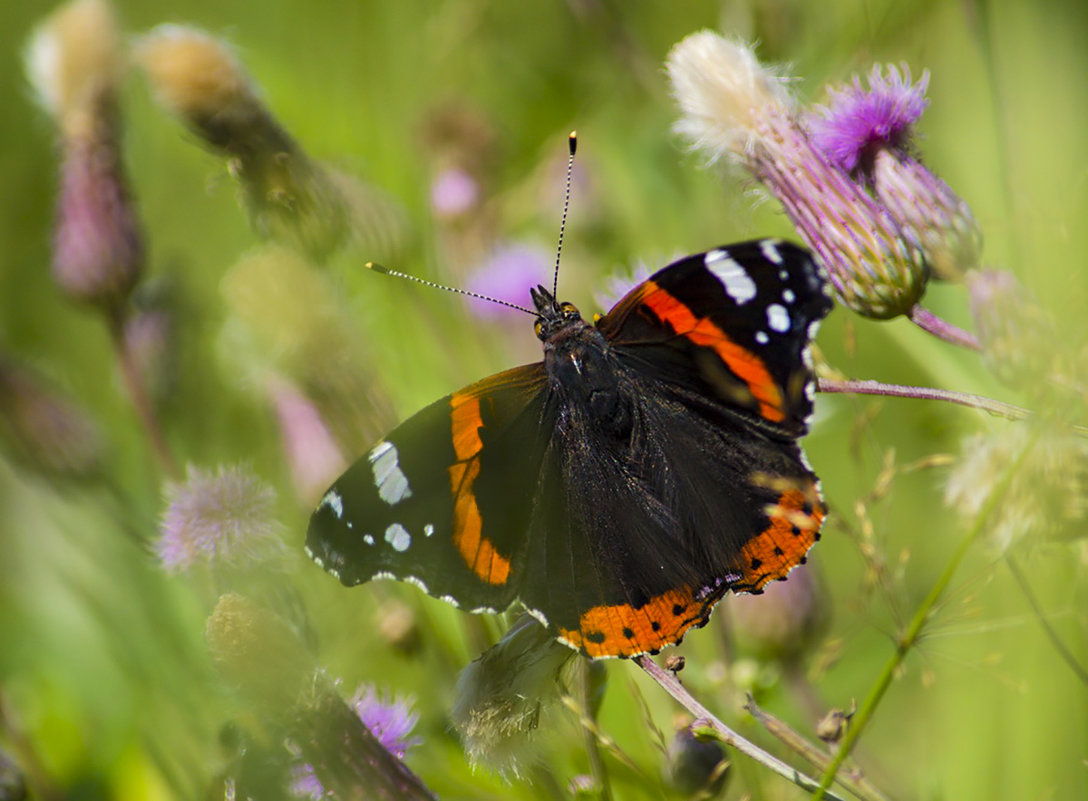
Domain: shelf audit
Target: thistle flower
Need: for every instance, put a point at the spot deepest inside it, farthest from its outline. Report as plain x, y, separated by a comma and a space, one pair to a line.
223, 517
868, 133
501, 695
74, 63
507, 275
1047, 498
312, 453
44, 428
259, 653
290, 198
389, 720
697, 766
737, 109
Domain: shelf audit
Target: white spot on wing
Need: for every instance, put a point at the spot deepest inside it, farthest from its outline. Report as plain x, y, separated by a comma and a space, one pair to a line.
770, 250
390, 480
788, 296
762, 338
450, 600
778, 318
416, 581
428, 530
333, 500
398, 536
738, 284
368, 539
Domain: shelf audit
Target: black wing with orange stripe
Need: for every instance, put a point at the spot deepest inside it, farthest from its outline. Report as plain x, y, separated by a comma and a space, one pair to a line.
732, 323
442, 501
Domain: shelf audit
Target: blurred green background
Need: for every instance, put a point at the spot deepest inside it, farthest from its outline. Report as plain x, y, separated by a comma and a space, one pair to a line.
107, 687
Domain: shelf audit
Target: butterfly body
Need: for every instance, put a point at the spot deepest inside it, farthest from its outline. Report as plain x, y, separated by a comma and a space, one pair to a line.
621, 486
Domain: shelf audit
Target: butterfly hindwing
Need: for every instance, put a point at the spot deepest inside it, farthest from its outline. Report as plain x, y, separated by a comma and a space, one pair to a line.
435, 502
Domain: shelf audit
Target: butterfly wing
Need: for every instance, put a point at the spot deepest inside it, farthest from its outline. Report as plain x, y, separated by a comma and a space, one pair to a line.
437, 502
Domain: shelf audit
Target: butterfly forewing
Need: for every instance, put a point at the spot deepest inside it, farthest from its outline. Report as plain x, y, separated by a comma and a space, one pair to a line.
733, 323
436, 502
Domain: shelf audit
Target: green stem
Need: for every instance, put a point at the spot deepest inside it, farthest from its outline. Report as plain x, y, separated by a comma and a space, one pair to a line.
914, 629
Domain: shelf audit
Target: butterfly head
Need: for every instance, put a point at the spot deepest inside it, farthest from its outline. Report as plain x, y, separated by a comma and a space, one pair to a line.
551, 315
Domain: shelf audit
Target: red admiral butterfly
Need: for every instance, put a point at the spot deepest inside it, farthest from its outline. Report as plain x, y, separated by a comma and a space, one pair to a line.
620, 487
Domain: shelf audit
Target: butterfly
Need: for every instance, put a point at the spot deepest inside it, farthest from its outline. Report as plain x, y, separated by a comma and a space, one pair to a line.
620, 487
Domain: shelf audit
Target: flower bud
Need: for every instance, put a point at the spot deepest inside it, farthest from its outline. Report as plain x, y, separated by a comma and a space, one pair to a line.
74, 63
782, 622
501, 695
697, 766
45, 429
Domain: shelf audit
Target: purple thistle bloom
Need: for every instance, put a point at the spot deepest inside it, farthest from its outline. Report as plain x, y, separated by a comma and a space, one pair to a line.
507, 275
859, 122
389, 720
867, 133
225, 516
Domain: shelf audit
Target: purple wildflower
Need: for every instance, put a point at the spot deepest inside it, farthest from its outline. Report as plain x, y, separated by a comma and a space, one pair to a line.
225, 516
867, 132
507, 275
857, 122
454, 192
389, 720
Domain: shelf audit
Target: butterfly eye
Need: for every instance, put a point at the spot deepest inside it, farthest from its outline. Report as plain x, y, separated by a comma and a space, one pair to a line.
538, 326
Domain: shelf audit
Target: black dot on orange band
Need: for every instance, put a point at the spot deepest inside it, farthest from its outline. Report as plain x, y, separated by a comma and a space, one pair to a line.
655, 625
778, 551
678, 609
628, 633
595, 636
795, 531
756, 564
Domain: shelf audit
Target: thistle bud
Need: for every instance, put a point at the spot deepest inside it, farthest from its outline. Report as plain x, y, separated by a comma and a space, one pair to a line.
736, 108
1015, 333
289, 197
782, 622
868, 134
501, 695
45, 429
74, 64
697, 766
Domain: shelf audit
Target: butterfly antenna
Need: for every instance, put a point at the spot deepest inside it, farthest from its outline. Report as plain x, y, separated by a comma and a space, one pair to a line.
572, 141
378, 268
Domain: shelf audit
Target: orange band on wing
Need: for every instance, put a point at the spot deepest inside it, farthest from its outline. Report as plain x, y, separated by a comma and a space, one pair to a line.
479, 554
779, 548
623, 630
745, 365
